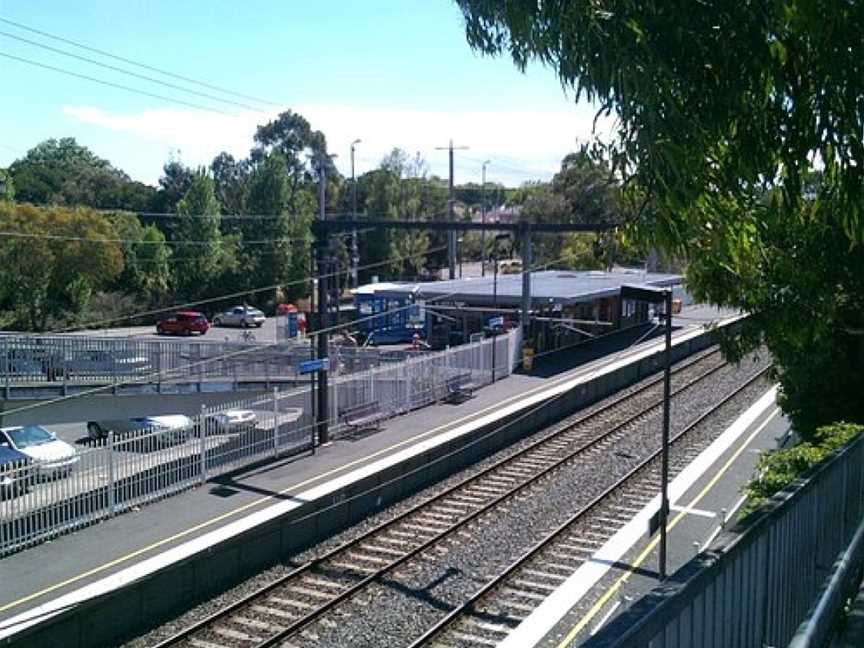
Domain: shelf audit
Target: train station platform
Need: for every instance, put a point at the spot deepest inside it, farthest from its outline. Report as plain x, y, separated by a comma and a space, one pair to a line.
219, 532
704, 498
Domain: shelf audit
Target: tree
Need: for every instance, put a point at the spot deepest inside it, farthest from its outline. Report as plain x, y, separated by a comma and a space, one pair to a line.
173, 185
266, 246
721, 112
146, 259
231, 178
64, 172
200, 255
7, 185
51, 270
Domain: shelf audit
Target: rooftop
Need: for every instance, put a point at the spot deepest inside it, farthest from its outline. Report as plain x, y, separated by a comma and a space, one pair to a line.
548, 286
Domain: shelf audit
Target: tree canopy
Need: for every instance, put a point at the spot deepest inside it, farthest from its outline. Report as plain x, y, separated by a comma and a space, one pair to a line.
722, 113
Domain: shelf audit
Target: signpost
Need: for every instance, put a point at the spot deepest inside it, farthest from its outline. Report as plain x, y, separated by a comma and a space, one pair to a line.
313, 367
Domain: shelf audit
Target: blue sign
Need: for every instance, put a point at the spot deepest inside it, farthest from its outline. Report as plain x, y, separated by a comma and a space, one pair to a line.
497, 321
311, 366
291, 324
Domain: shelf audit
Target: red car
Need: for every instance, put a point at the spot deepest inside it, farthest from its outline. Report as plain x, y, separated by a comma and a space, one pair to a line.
183, 323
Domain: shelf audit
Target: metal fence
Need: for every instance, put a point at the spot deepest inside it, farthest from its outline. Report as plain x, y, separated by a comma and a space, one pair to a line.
27, 360
39, 501
760, 582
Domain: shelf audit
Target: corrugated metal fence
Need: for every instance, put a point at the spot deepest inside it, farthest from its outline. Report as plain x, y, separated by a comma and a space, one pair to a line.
109, 476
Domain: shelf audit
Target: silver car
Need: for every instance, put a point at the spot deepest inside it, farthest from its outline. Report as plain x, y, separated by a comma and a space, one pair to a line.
240, 316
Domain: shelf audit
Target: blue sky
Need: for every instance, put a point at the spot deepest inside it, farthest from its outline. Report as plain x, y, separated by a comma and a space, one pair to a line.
395, 73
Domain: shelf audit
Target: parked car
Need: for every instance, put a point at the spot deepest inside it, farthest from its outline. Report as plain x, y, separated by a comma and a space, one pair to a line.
16, 471
51, 456
244, 316
231, 421
172, 428
183, 323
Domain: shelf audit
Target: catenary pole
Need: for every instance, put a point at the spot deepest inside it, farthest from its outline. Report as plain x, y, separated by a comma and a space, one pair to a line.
355, 252
321, 259
451, 211
483, 220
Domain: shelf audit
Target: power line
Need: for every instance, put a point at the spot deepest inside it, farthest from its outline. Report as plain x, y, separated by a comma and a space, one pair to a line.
138, 64
127, 72
112, 84
86, 239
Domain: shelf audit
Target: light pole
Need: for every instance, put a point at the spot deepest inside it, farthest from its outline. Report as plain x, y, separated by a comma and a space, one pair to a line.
483, 220
355, 257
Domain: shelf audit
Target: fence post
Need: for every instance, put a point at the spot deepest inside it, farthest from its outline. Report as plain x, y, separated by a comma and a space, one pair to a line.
112, 501
202, 434
275, 422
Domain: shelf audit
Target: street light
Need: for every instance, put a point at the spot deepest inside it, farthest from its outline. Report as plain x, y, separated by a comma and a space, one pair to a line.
355, 260
483, 220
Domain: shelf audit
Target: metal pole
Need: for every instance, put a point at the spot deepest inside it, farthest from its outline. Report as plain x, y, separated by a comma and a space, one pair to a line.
451, 212
355, 256
275, 421
321, 252
526, 280
664, 476
483, 221
494, 311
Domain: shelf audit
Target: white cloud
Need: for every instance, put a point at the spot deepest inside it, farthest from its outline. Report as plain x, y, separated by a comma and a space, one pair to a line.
520, 144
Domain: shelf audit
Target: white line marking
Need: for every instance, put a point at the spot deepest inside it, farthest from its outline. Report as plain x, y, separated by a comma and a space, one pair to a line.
694, 511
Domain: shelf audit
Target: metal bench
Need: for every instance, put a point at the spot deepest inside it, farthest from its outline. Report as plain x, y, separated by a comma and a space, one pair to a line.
367, 416
460, 388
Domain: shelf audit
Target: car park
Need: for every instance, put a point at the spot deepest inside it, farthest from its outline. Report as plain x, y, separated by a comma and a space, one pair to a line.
244, 316
51, 456
183, 323
168, 429
231, 421
16, 471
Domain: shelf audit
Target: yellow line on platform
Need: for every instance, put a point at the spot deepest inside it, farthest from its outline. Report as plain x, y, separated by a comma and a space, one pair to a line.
642, 557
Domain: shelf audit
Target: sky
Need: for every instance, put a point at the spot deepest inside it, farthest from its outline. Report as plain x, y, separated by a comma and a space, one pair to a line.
392, 73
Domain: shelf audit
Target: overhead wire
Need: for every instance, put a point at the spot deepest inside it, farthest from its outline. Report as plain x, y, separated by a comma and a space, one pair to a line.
144, 77
144, 66
111, 84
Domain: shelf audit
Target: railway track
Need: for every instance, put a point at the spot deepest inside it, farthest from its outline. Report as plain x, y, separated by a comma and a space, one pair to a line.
282, 609
491, 614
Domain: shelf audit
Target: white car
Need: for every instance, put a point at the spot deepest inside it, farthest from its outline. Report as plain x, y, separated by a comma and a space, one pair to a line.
51, 456
171, 428
231, 421
244, 316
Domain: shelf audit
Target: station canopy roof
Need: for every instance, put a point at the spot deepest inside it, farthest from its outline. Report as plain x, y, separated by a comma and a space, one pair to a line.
548, 287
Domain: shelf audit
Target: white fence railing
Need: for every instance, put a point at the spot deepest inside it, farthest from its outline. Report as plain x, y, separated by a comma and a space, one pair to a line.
113, 475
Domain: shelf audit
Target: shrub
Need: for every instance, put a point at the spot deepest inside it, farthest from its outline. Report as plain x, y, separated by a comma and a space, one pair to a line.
777, 469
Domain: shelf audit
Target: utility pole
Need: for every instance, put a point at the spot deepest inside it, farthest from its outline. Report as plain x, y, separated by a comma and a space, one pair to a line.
355, 254
451, 211
525, 232
321, 260
483, 221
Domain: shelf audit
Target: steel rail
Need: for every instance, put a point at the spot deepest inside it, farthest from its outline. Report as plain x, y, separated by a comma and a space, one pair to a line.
468, 606
564, 428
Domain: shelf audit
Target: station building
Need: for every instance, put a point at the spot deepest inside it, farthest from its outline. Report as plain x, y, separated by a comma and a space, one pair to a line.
566, 306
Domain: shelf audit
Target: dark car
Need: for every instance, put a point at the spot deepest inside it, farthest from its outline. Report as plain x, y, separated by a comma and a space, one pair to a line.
16, 471
183, 323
